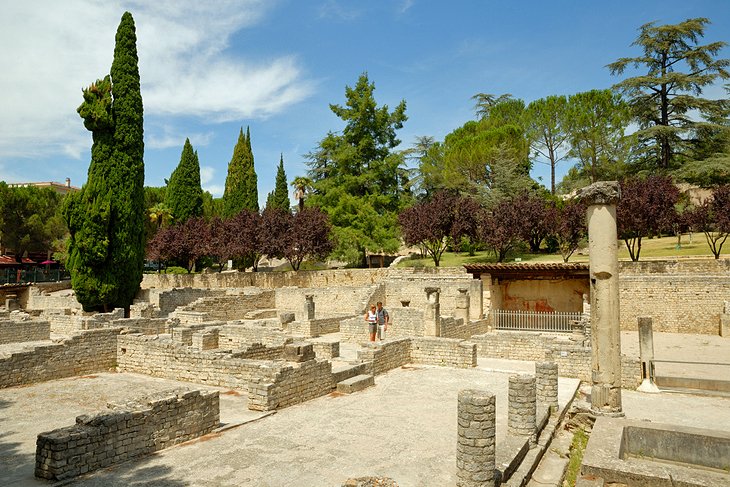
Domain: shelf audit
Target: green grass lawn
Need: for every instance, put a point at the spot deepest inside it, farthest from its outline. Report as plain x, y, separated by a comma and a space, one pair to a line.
650, 248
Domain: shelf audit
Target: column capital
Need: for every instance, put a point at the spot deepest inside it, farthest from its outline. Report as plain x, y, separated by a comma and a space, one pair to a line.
601, 193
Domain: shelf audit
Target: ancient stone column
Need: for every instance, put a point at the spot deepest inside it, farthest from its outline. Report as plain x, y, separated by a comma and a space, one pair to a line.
432, 314
725, 320
521, 416
309, 307
646, 354
546, 384
475, 445
462, 305
601, 198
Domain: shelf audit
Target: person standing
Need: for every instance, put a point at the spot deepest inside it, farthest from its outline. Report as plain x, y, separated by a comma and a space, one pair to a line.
383, 320
371, 317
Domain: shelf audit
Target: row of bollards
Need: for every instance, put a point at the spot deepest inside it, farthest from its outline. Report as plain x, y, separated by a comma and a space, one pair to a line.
476, 445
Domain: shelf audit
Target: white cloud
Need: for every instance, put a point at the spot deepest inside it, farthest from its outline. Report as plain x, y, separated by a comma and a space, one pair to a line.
51, 50
167, 136
206, 174
215, 189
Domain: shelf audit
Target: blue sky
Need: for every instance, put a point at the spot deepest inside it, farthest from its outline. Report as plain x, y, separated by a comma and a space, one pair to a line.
276, 65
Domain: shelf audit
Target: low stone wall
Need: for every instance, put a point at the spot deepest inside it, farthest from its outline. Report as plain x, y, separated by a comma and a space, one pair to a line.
330, 301
145, 326
391, 354
161, 357
355, 330
24, 331
386, 355
410, 286
168, 300
39, 299
270, 384
457, 328
242, 334
406, 322
315, 328
268, 280
88, 352
677, 303
290, 385
70, 324
449, 352
574, 360
234, 305
325, 348
128, 431
257, 351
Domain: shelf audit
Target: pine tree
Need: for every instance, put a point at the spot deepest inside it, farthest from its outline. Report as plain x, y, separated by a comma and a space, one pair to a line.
184, 196
106, 219
280, 198
241, 183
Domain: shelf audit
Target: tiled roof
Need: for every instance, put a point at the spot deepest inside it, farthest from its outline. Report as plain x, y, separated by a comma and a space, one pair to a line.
7, 260
528, 266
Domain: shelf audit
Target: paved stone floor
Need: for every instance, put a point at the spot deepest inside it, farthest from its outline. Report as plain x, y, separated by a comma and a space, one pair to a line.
404, 427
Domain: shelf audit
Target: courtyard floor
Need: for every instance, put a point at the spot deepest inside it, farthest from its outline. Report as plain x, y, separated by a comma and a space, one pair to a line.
403, 428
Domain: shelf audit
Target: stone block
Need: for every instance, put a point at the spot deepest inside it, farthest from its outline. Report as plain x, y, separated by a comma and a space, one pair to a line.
354, 384
298, 352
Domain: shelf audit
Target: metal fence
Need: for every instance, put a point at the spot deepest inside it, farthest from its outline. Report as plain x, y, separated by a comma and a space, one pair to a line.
558, 321
13, 276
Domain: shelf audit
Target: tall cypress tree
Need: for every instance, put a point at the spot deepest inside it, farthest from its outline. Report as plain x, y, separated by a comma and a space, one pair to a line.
106, 219
184, 196
280, 198
241, 182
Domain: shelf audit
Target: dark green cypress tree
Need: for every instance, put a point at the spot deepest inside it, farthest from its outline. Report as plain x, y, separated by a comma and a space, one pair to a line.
106, 219
241, 182
280, 199
184, 196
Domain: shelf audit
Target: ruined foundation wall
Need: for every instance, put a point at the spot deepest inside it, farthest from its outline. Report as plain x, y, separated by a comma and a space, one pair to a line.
233, 305
24, 331
574, 360
452, 328
411, 287
678, 303
237, 336
129, 430
387, 355
88, 352
168, 360
331, 301
38, 299
267, 280
449, 352
292, 384
315, 328
71, 324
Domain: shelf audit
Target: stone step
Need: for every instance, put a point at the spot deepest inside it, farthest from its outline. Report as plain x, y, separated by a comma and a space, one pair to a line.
347, 371
354, 384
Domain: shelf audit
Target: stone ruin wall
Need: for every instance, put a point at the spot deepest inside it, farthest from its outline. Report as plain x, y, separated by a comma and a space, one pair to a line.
239, 334
129, 430
86, 353
267, 280
332, 301
410, 287
573, 359
12, 331
270, 384
390, 355
233, 305
676, 303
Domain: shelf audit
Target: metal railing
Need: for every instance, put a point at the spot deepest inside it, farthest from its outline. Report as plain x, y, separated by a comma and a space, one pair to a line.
17, 276
558, 321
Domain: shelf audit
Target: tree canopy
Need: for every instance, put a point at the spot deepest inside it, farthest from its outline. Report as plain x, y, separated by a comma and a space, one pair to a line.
241, 192
355, 174
677, 68
184, 196
106, 218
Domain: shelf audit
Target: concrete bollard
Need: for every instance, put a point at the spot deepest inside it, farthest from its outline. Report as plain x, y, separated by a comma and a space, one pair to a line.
475, 448
521, 416
546, 384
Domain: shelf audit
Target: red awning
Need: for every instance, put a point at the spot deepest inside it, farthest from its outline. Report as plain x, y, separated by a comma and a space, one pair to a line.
10, 261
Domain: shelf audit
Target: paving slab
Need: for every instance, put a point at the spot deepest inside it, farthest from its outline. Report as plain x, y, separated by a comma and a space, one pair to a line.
403, 428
